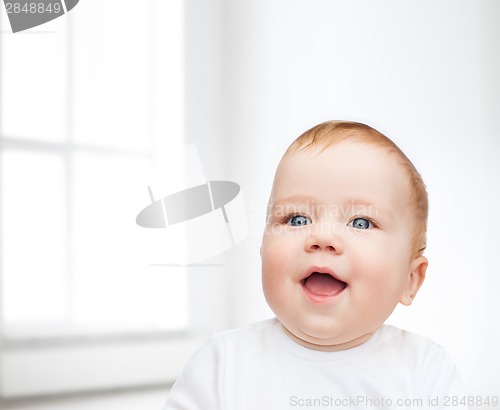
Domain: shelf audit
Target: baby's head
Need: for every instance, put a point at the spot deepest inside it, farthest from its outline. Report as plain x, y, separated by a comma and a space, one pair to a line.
345, 233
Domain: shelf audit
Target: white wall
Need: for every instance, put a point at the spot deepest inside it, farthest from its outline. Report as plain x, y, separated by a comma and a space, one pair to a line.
423, 72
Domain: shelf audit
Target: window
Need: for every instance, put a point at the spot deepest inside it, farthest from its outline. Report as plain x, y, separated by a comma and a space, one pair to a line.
89, 103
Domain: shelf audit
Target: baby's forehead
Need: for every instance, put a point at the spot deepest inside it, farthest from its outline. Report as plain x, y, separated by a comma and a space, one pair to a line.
333, 144
343, 170
345, 153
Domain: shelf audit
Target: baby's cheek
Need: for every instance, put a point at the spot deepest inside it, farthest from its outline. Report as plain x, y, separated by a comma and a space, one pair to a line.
375, 277
275, 279
274, 292
371, 264
271, 273
274, 253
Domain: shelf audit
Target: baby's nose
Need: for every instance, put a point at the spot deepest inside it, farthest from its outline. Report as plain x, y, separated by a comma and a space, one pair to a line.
324, 238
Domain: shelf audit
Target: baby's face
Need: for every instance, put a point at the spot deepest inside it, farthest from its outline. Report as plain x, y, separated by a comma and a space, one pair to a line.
336, 255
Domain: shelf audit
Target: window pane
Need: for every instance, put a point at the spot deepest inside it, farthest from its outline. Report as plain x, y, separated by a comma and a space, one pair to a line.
34, 82
112, 74
33, 237
113, 283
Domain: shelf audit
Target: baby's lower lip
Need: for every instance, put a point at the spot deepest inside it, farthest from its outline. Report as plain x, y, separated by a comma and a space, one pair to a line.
313, 297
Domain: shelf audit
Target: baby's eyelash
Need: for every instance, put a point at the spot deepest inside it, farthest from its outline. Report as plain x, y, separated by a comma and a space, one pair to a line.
371, 220
288, 217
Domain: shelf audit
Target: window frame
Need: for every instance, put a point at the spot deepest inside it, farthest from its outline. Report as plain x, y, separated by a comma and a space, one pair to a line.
22, 353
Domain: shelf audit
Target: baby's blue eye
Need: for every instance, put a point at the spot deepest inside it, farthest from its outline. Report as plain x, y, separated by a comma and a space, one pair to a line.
361, 223
299, 220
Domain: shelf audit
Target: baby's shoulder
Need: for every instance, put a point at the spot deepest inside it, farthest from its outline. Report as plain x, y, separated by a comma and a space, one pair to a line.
411, 346
239, 345
249, 334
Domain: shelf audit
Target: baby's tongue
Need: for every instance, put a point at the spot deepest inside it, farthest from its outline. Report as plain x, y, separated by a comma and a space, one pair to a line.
323, 284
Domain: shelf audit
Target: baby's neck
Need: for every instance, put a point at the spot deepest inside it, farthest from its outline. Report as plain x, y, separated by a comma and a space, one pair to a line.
329, 348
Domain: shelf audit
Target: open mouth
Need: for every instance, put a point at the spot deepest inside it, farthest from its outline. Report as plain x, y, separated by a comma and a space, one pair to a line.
322, 285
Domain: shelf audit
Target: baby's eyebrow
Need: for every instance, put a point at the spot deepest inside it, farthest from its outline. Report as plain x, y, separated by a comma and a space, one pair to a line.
291, 204
377, 209
345, 207
294, 199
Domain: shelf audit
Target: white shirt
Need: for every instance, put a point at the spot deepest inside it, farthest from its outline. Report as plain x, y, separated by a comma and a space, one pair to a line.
259, 367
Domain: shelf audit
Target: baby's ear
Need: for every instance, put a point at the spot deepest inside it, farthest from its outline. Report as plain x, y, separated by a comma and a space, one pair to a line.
415, 278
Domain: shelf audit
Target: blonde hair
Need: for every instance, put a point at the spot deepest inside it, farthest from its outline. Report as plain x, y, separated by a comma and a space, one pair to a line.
330, 133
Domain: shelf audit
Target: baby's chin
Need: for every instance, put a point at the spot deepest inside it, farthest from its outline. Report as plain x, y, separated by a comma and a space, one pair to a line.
324, 338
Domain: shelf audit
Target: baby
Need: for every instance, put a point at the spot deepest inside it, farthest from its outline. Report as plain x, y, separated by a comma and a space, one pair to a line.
343, 245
